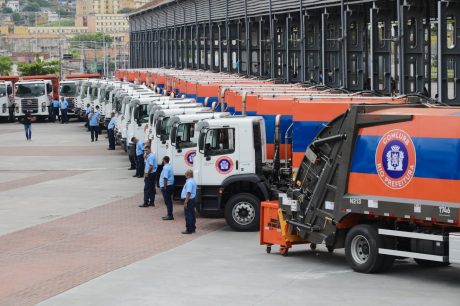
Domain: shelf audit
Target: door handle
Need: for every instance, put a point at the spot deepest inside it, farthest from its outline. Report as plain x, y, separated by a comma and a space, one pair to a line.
236, 164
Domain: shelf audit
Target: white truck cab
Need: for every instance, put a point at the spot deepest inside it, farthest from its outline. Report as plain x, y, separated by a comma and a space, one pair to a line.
183, 143
228, 169
6, 100
70, 90
34, 97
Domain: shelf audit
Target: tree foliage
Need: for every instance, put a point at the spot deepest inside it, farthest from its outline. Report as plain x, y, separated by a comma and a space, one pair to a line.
39, 67
91, 40
7, 10
31, 7
5, 65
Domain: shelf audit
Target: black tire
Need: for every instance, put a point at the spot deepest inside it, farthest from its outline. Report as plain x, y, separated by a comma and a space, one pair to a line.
242, 212
361, 250
431, 264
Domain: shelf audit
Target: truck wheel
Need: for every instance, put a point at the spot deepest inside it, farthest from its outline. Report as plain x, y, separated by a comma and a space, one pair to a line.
361, 250
431, 264
242, 212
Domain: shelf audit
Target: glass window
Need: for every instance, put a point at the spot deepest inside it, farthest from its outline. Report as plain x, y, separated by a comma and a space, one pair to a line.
186, 136
220, 141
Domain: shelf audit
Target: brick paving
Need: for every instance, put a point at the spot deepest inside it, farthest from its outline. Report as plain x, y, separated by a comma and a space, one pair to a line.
35, 178
39, 262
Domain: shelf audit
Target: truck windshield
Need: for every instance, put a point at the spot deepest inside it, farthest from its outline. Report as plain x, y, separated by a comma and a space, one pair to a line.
68, 90
30, 90
142, 115
2, 90
186, 136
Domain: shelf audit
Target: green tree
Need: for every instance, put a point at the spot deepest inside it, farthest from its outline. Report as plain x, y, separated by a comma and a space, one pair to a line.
31, 7
125, 10
5, 65
16, 17
39, 67
7, 10
91, 40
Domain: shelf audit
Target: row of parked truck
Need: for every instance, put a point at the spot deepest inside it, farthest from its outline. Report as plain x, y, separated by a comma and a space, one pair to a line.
375, 175
35, 95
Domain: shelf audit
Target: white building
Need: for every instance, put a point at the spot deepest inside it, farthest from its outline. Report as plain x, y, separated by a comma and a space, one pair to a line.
13, 4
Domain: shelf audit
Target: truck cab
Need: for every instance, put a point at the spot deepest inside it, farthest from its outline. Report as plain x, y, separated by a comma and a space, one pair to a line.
34, 97
183, 143
6, 100
228, 169
70, 91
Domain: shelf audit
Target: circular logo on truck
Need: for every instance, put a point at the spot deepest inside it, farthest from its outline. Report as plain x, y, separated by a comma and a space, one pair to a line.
224, 165
189, 156
395, 159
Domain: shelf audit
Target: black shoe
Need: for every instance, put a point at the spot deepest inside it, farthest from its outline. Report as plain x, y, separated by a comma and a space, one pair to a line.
187, 232
144, 205
92, 140
96, 139
135, 175
152, 204
140, 176
110, 149
166, 218
132, 168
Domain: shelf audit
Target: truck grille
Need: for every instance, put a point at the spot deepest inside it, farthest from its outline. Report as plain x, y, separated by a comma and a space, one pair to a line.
71, 103
29, 105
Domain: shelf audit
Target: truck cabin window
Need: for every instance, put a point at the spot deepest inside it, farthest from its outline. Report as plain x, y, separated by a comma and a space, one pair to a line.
68, 90
30, 90
2, 90
186, 136
142, 114
162, 128
220, 142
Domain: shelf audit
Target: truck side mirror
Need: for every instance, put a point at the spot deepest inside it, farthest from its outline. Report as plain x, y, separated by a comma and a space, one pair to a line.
9, 90
173, 136
201, 148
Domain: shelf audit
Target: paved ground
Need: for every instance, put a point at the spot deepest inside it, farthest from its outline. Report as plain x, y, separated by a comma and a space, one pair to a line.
71, 234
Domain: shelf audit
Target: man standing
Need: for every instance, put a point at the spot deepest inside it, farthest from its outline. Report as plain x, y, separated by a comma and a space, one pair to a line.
167, 188
188, 195
56, 110
111, 132
87, 112
139, 151
149, 178
94, 123
64, 106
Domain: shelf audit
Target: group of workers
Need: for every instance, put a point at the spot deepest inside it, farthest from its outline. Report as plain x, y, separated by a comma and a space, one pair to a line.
146, 167
59, 110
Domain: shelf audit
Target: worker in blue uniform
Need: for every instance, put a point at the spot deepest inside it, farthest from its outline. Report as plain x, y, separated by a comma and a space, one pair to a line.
149, 178
111, 131
188, 195
167, 187
94, 123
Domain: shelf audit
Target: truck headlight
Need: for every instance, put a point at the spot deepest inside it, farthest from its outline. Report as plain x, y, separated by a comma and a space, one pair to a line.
44, 104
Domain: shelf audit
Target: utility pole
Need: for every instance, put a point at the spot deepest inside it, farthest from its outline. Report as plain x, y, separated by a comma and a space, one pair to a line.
60, 46
103, 46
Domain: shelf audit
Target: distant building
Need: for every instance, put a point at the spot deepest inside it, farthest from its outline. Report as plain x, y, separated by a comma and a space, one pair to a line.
115, 25
67, 31
13, 5
84, 8
52, 16
2, 3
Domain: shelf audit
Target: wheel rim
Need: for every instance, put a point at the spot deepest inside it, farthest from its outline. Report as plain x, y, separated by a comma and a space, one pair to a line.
243, 213
360, 249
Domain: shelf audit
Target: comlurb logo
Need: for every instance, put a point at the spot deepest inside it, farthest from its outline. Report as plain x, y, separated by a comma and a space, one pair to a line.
224, 165
395, 159
189, 156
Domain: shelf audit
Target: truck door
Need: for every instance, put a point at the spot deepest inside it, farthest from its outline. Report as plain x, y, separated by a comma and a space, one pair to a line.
184, 147
221, 157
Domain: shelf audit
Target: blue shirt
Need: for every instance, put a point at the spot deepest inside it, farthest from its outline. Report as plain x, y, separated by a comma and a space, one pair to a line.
112, 122
88, 110
94, 120
55, 103
190, 186
64, 104
139, 148
167, 173
151, 160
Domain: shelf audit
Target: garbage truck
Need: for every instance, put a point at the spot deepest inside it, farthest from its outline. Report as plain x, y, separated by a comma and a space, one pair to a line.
6, 101
382, 182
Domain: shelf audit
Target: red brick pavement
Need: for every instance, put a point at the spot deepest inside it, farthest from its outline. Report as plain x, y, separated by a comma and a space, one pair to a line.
42, 261
35, 178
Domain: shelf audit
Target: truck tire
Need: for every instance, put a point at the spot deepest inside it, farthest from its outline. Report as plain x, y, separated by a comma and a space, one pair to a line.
361, 250
242, 212
431, 264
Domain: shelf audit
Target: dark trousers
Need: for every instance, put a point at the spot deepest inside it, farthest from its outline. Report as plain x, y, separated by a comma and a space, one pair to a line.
28, 130
149, 189
94, 132
139, 165
87, 125
132, 161
64, 115
111, 134
190, 220
56, 114
167, 196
